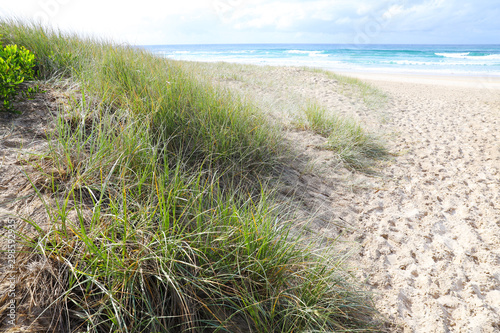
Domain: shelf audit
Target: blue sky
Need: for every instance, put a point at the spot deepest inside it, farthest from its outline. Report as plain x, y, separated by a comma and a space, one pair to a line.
150, 22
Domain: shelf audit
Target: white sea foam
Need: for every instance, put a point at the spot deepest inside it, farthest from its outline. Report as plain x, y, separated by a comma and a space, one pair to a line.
457, 62
309, 53
298, 52
242, 52
322, 55
490, 56
453, 55
469, 57
407, 62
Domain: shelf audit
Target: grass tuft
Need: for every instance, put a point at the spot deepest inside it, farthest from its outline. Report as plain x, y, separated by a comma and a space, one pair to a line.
357, 148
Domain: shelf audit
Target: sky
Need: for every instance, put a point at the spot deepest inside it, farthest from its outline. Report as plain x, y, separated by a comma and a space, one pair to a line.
156, 22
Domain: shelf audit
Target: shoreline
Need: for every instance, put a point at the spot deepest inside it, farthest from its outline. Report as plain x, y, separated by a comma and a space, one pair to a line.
466, 81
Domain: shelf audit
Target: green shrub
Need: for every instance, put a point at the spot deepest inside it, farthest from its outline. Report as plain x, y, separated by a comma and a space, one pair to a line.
16, 66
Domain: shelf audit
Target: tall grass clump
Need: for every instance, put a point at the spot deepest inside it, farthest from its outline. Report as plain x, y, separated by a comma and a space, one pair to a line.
357, 148
158, 222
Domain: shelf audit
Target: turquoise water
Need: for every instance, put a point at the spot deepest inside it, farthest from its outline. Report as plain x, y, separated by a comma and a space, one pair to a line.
416, 59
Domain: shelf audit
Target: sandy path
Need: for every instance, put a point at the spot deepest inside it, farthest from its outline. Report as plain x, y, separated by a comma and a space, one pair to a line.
20, 137
430, 233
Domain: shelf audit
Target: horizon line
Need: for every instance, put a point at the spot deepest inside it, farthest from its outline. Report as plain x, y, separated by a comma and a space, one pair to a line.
354, 44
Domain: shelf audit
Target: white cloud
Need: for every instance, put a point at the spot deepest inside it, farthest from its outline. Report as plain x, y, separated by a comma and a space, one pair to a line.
328, 21
120, 20
343, 20
278, 15
364, 9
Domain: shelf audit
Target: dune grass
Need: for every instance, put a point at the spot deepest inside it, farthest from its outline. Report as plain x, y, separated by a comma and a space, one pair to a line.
372, 97
159, 221
356, 147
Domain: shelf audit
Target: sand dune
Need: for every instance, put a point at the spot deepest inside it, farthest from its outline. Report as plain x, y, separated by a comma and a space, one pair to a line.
426, 228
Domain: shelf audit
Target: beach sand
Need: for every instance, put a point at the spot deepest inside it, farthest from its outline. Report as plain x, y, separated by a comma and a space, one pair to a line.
430, 232
426, 228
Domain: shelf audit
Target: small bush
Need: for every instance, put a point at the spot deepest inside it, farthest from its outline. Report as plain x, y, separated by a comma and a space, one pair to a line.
16, 66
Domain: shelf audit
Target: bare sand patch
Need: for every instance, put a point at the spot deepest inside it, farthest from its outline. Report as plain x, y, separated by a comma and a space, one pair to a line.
21, 138
431, 236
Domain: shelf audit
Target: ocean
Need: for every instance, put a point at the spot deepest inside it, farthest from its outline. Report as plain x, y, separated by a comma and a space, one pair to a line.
468, 60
